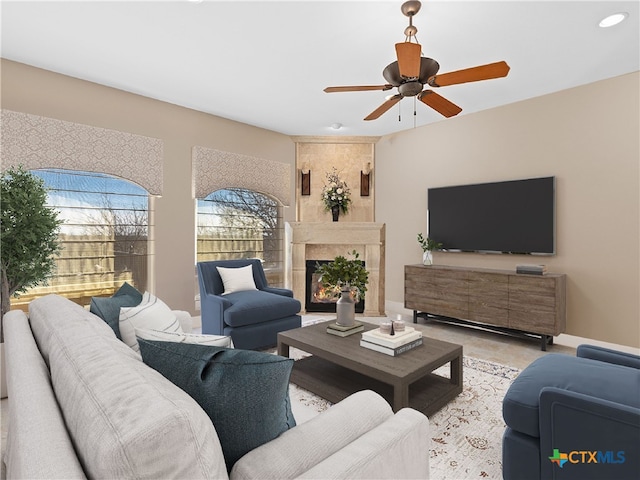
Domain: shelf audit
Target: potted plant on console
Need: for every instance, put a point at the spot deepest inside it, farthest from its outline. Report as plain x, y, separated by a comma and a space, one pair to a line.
428, 245
347, 279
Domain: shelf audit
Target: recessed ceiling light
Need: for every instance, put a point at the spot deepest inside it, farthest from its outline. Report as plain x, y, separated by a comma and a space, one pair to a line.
612, 20
336, 126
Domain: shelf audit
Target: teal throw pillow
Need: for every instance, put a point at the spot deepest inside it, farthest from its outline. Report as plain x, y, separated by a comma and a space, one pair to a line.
108, 308
245, 393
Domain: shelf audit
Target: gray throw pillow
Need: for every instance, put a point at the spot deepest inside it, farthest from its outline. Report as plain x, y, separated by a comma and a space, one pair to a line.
108, 308
245, 393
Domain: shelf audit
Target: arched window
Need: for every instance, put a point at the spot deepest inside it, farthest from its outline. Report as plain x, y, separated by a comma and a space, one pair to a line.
239, 223
104, 237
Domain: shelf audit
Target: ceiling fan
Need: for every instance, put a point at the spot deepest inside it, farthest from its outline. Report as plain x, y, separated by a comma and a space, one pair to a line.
411, 72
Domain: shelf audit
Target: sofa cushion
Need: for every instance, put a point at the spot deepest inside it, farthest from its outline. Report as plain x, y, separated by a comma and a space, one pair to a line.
37, 444
520, 407
160, 336
245, 393
237, 279
249, 308
151, 313
108, 308
125, 419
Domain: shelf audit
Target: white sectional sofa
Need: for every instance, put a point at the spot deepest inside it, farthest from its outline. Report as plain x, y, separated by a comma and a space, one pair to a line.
83, 405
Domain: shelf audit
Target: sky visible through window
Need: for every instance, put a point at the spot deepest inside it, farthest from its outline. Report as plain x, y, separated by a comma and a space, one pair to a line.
104, 236
82, 197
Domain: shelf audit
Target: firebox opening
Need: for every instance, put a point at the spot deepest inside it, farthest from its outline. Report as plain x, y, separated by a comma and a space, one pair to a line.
316, 298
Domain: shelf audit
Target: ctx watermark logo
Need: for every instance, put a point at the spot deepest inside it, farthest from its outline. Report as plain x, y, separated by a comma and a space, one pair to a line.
586, 456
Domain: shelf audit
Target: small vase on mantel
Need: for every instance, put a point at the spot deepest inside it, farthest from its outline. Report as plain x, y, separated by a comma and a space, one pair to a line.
427, 258
335, 212
346, 309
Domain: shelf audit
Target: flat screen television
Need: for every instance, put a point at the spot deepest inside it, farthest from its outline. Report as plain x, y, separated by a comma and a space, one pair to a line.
515, 216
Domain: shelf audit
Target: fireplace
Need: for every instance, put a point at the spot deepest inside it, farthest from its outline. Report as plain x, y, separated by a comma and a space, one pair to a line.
326, 240
317, 299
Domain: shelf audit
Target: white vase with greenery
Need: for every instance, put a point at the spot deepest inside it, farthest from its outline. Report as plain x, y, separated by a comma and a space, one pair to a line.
428, 246
346, 309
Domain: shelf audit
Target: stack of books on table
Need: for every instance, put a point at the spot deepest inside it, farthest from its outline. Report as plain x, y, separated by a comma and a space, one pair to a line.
531, 269
341, 331
392, 345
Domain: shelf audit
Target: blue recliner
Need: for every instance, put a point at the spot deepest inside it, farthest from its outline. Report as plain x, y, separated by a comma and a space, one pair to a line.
574, 417
252, 318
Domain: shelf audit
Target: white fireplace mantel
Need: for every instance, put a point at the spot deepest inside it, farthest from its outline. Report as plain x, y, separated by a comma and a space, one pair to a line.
325, 241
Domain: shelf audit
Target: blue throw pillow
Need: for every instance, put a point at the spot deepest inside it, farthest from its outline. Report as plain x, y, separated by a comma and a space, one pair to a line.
245, 393
108, 308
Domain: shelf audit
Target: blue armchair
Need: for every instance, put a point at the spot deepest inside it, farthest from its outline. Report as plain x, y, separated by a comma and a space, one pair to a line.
252, 318
574, 417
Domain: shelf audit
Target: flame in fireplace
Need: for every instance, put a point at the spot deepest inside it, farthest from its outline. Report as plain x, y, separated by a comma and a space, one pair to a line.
320, 294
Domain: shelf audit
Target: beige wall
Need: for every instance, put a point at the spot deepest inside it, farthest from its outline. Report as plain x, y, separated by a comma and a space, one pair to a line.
588, 138
40, 92
349, 156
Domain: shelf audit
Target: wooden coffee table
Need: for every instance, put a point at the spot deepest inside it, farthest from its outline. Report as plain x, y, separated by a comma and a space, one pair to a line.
339, 367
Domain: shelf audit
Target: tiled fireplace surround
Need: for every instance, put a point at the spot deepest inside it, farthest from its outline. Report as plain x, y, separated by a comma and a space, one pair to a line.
326, 240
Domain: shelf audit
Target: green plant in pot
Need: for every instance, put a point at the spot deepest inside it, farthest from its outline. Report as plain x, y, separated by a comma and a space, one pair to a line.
348, 279
428, 245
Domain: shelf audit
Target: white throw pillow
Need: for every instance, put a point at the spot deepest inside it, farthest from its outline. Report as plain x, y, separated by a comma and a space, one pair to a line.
215, 340
237, 279
151, 313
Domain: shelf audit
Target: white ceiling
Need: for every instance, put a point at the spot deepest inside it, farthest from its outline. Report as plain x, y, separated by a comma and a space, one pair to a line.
265, 63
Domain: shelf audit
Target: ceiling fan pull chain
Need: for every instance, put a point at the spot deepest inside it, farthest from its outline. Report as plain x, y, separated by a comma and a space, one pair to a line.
415, 113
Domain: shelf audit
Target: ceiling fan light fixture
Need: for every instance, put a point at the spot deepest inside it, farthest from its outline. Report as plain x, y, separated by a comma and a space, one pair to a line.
613, 19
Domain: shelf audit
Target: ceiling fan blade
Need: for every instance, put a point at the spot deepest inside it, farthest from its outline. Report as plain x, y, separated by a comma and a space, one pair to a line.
409, 59
439, 103
473, 74
357, 88
384, 107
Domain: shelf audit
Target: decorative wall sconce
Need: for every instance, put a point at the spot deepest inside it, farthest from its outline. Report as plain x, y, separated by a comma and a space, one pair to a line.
365, 180
305, 184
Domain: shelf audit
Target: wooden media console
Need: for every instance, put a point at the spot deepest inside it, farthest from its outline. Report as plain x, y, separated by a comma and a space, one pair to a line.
500, 300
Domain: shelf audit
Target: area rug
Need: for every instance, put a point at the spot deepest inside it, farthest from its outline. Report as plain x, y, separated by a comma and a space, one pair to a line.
466, 434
